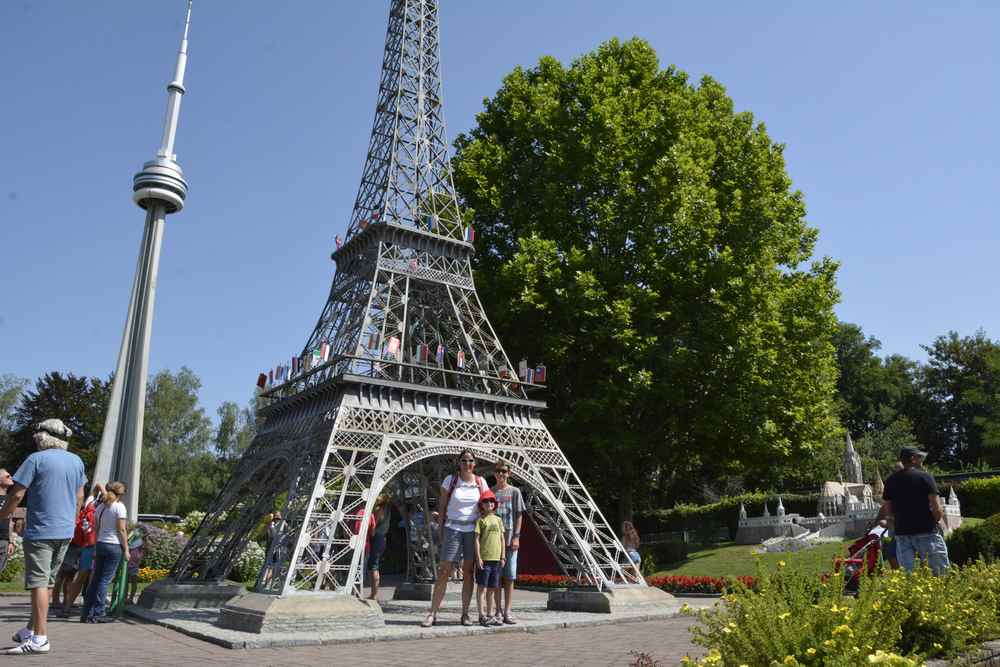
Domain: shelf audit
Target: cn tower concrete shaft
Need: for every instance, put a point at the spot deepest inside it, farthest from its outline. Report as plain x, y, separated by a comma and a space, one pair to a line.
160, 189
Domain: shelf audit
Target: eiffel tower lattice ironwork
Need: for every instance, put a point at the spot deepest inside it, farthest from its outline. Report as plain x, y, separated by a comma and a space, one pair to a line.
402, 367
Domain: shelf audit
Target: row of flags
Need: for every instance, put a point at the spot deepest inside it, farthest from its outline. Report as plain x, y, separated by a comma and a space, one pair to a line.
531, 374
296, 366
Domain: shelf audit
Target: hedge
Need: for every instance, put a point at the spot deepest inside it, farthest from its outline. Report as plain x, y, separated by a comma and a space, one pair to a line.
979, 497
969, 543
702, 518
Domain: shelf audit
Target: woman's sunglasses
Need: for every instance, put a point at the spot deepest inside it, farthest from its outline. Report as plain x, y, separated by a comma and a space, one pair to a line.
470, 462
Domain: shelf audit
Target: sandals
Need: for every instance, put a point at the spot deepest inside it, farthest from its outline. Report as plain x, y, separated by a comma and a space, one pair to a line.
509, 619
429, 621
465, 619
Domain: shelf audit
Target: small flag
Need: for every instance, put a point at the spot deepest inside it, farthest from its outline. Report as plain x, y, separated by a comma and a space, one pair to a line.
270, 377
306, 362
439, 355
470, 234
373, 342
414, 265
363, 224
540, 374
295, 365
423, 353
522, 369
393, 346
531, 376
324, 352
375, 216
279, 374
261, 380
339, 241
429, 222
504, 372
460, 359
317, 357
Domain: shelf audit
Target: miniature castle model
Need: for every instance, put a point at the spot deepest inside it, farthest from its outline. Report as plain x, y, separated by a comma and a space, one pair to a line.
846, 508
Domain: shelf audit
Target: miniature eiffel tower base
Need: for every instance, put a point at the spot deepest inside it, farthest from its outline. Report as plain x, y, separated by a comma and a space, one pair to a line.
299, 612
167, 594
609, 601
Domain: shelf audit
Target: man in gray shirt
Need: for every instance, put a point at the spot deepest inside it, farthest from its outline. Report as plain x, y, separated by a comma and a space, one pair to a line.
52, 481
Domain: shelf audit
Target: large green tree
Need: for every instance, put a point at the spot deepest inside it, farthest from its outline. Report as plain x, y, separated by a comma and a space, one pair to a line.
11, 388
80, 402
236, 430
960, 419
644, 239
178, 470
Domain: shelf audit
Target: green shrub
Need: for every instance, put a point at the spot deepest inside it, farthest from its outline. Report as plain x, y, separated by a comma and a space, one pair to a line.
664, 553
970, 543
162, 547
14, 570
980, 498
248, 564
703, 519
795, 618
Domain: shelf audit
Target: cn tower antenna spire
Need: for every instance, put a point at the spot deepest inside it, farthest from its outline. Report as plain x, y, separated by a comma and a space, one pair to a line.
160, 189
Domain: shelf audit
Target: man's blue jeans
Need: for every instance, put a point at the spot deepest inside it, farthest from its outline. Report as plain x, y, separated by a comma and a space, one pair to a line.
928, 546
106, 562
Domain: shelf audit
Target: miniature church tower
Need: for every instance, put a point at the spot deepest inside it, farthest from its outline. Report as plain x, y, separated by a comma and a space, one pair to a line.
878, 486
781, 507
852, 463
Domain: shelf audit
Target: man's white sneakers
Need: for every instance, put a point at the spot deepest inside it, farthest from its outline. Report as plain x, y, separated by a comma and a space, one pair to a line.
29, 647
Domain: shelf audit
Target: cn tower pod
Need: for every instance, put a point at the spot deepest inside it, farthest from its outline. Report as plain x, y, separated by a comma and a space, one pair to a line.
160, 181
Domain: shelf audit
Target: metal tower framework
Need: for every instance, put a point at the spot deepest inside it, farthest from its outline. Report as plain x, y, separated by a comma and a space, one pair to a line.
414, 373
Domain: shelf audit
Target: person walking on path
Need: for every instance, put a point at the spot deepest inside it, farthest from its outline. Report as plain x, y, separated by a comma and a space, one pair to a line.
510, 509
6, 543
52, 482
382, 514
112, 546
459, 511
911, 497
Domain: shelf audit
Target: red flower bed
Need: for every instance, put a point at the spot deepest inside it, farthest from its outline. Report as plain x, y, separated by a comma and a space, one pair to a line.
669, 583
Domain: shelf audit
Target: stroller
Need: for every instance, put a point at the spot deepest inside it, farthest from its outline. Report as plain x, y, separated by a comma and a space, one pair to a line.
863, 556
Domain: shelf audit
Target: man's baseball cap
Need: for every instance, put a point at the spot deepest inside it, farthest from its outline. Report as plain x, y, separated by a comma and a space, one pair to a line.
907, 453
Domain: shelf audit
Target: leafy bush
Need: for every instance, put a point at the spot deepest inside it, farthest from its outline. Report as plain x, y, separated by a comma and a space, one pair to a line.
700, 519
162, 547
14, 570
795, 618
190, 523
665, 553
970, 543
979, 497
249, 563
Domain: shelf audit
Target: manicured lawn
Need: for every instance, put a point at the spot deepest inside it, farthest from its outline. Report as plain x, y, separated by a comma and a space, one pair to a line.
736, 560
971, 521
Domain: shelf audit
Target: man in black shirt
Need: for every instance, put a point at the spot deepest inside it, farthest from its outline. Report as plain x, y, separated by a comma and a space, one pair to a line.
911, 496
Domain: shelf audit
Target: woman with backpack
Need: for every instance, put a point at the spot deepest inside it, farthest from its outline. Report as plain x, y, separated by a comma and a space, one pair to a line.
459, 511
112, 545
85, 537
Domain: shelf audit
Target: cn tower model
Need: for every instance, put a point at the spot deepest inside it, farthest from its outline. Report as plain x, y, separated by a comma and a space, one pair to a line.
159, 189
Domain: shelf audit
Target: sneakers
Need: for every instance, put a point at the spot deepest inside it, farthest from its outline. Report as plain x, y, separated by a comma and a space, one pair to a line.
483, 621
29, 647
509, 619
21, 636
496, 620
429, 621
465, 619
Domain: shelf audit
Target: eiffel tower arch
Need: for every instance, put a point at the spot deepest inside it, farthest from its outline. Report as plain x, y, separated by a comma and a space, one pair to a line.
402, 366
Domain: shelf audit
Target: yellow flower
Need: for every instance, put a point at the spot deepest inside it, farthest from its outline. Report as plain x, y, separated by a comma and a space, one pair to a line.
783, 616
781, 563
843, 630
810, 651
791, 661
938, 646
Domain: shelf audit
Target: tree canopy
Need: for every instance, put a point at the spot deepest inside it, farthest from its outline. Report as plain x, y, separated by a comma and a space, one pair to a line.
644, 239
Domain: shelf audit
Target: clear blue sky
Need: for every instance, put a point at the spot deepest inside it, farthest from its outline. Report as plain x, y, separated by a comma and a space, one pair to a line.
889, 111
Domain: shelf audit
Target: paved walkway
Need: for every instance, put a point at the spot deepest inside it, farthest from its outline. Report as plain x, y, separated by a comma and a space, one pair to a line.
133, 642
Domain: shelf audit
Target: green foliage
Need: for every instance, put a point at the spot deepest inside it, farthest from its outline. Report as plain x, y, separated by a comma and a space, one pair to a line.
11, 388
190, 522
81, 403
724, 513
793, 618
970, 543
961, 383
236, 430
248, 564
644, 239
663, 554
14, 570
162, 547
979, 497
178, 471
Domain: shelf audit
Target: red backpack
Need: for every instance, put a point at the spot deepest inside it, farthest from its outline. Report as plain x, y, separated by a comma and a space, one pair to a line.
85, 534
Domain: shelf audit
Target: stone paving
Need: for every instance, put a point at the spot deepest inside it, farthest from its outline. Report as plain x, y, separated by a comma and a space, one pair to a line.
136, 642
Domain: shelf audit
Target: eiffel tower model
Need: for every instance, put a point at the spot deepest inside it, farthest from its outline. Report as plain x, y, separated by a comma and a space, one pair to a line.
401, 371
